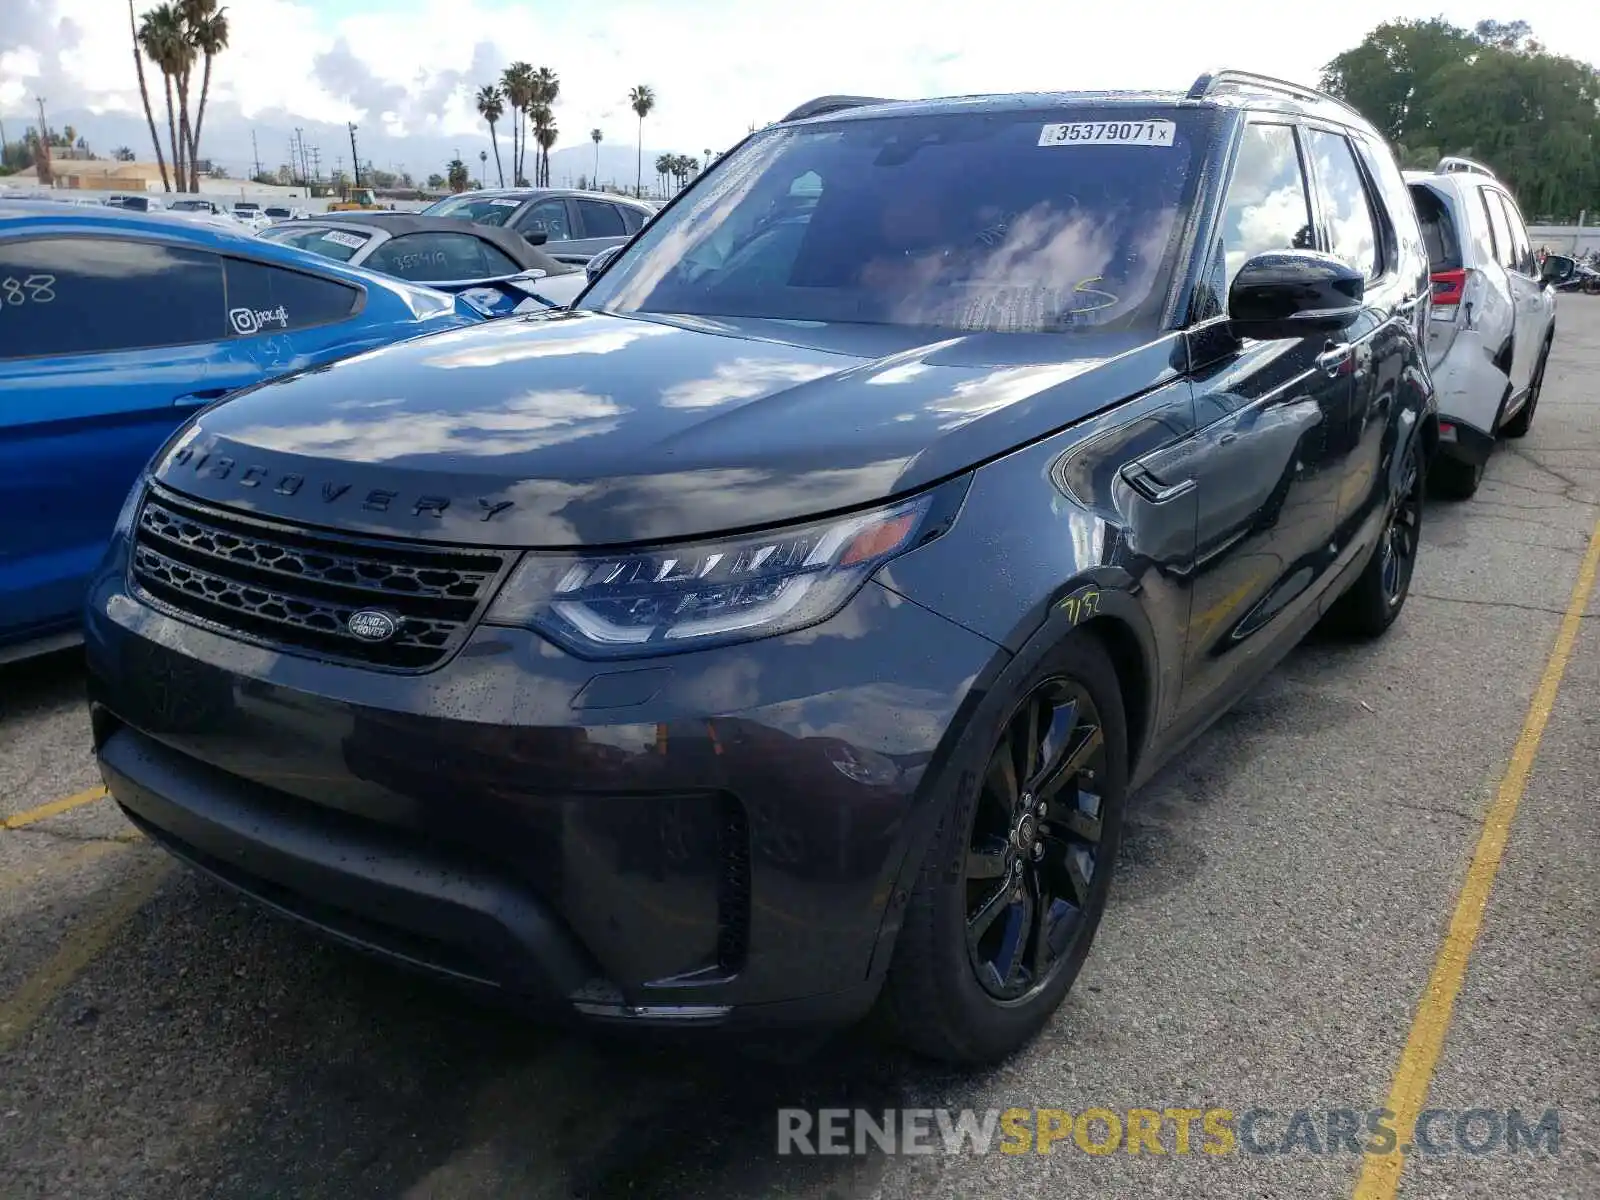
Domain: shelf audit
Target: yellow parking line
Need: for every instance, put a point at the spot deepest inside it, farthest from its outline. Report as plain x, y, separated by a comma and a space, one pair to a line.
55, 807
77, 950
1380, 1173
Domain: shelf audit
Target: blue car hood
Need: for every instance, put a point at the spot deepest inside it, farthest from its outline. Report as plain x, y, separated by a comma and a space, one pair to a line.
594, 429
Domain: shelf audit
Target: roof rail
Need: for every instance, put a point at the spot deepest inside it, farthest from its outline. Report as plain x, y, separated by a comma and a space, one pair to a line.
827, 104
1212, 80
1452, 164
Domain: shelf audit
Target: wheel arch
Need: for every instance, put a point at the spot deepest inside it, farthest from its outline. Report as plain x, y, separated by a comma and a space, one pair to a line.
1122, 629
1134, 678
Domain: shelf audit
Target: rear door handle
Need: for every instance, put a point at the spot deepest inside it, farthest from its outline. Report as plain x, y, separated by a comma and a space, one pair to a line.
1139, 478
1334, 357
205, 396
1406, 307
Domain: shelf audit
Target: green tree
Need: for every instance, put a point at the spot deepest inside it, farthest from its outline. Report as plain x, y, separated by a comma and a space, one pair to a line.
456, 175
1492, 93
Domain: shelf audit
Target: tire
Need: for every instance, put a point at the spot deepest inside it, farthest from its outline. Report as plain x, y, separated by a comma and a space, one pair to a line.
1454, 478
945, 997
1519, 425
1376, 597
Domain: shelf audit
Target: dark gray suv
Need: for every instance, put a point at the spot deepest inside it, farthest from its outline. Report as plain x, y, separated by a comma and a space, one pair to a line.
779, 631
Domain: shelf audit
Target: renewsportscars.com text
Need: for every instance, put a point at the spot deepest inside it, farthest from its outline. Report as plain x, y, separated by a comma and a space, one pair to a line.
1213, 1131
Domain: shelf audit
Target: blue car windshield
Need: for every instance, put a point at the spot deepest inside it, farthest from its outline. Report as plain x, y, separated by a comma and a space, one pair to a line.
1008, 221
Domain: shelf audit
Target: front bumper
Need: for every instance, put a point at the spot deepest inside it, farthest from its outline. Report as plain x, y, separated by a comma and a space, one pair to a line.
708, 837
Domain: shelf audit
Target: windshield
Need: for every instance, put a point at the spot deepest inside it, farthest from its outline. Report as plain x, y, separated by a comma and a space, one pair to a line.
480, 210
339, 244
1003, 221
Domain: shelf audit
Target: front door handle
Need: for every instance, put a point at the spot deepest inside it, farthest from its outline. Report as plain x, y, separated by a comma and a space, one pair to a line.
1406, 307
1335, 357
1157, 491
206, 396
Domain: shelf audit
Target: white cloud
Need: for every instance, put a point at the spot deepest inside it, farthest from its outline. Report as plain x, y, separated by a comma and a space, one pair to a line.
717, 65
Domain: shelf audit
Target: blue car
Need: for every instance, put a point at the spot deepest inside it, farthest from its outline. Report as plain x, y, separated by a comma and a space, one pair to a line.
114, 327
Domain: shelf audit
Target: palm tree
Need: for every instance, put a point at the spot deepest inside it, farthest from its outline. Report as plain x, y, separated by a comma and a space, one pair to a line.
596, 137
122, 154
642, 100
539, 114
161, 36
546, 135
456, 175
517, 83
208, 35
664, 165
491, 107
546, 87
144, 94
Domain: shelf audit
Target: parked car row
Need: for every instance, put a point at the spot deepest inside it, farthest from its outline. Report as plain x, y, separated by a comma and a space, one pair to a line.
775, 632
202, 309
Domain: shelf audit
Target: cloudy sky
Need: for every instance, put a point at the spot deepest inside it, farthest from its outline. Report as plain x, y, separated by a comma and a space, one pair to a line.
408, 66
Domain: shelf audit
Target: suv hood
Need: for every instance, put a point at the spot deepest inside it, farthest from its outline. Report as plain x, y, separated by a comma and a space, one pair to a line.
593, 429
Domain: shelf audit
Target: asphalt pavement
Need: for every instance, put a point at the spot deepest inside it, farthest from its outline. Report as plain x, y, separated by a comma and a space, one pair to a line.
1287, 935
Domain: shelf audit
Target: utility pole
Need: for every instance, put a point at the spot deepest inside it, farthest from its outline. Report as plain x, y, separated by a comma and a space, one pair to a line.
255, 152
355, 159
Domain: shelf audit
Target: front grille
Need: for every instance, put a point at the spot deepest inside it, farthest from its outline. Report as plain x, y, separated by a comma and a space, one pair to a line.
295, 589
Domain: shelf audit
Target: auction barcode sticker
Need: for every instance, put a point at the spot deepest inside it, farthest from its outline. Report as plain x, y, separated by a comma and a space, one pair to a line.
1108, 133
505, 203
340, 238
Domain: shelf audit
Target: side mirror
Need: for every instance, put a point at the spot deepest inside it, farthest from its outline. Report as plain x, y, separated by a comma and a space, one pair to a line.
1556, 268
536, 237
600, 261
1294, 294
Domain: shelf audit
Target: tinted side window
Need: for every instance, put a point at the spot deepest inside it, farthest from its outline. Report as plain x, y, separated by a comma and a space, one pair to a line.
1267, 207
1505, 250
1346, 206
632, 219
439, 256
88, 295
600, 219
266, 299
548, 217
1519, 237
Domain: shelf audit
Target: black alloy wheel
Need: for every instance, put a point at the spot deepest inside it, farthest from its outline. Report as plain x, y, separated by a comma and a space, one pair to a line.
1035, 844
1015, 879
1402, 534
1377, 595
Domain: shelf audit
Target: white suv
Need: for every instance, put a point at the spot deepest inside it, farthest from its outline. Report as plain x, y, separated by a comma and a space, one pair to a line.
1492, 319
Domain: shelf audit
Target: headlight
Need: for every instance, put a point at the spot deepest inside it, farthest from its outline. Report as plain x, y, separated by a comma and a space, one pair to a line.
686, 597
